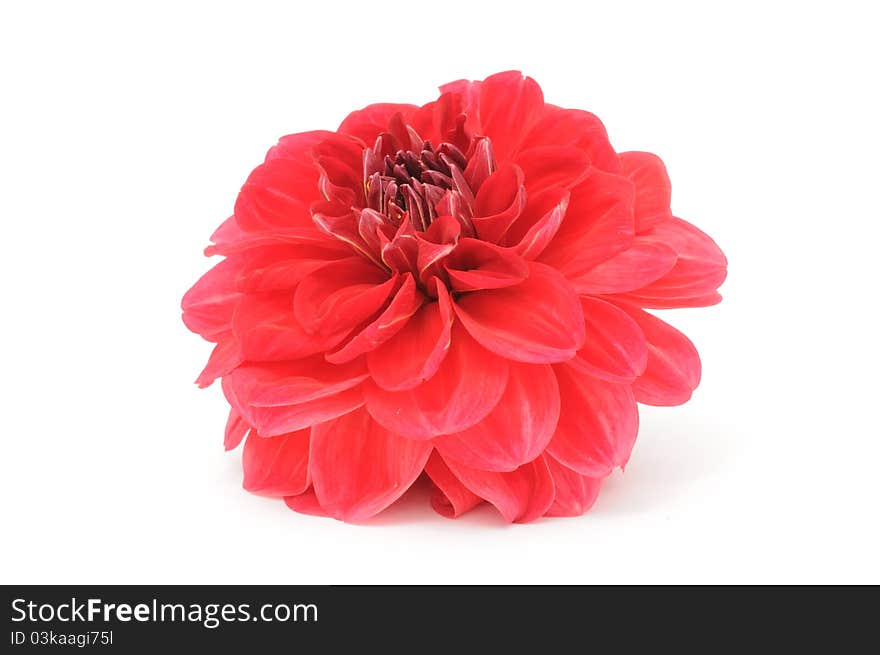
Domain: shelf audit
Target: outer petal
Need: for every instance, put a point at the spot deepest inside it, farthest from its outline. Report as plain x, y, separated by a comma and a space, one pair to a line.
303, 380
418, 350
277, 195
517, 430
539, 321
575, 493
598, 423
521, 495
509, 105
615, 348
552, 166
462, 392
236, 428
225, 357
598, 224
305, 503
673, 368
653, 190
573, 127
451, 498
634, 268
266, 327
405, 303
208, 306
699, 269
358, 467
248, 382
276, 466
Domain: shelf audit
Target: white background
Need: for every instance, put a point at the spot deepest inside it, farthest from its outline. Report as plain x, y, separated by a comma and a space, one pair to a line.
127, 130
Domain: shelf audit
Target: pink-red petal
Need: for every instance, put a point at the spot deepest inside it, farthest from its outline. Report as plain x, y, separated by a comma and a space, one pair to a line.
597, 426
475, 265
236, 428
268, 331
517, 430
393, 318
418, 350
634, 268
700, 268
276, 466
575, 493
358, 467
673, 368
653, 190
520, 496
598, 224
539, 321
246, 383
574, 127
466, 387
615, 348
341, 295
509, 105
450, 498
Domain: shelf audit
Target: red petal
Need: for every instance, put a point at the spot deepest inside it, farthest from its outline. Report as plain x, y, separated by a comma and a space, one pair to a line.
304, 380
341, 295
305, 503
539, 223
598, 423
598, 224
551, 166
297, 147
653, 190
358, 467
615, 349
451, 498
517, 430
475, 265
538, 321
366, 124
575, 493
404, 304
282, 267
276, 466
225, 357
673, 369
573, 127
230, 239
246, 383
277, 195
700, 269
635, 267
416, 352
461, 393
509, 106
208, 306
521, 495
236, 428
268, 331
499, 203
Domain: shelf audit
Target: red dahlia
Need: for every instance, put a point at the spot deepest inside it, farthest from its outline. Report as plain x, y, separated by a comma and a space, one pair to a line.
455, 289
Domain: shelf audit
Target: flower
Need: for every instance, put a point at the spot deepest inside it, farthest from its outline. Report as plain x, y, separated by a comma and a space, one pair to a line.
456, 289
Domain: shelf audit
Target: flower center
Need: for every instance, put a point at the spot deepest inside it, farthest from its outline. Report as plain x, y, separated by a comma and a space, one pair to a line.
418, 183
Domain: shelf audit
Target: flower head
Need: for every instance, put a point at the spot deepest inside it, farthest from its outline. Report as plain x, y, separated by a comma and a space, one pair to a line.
456, 289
